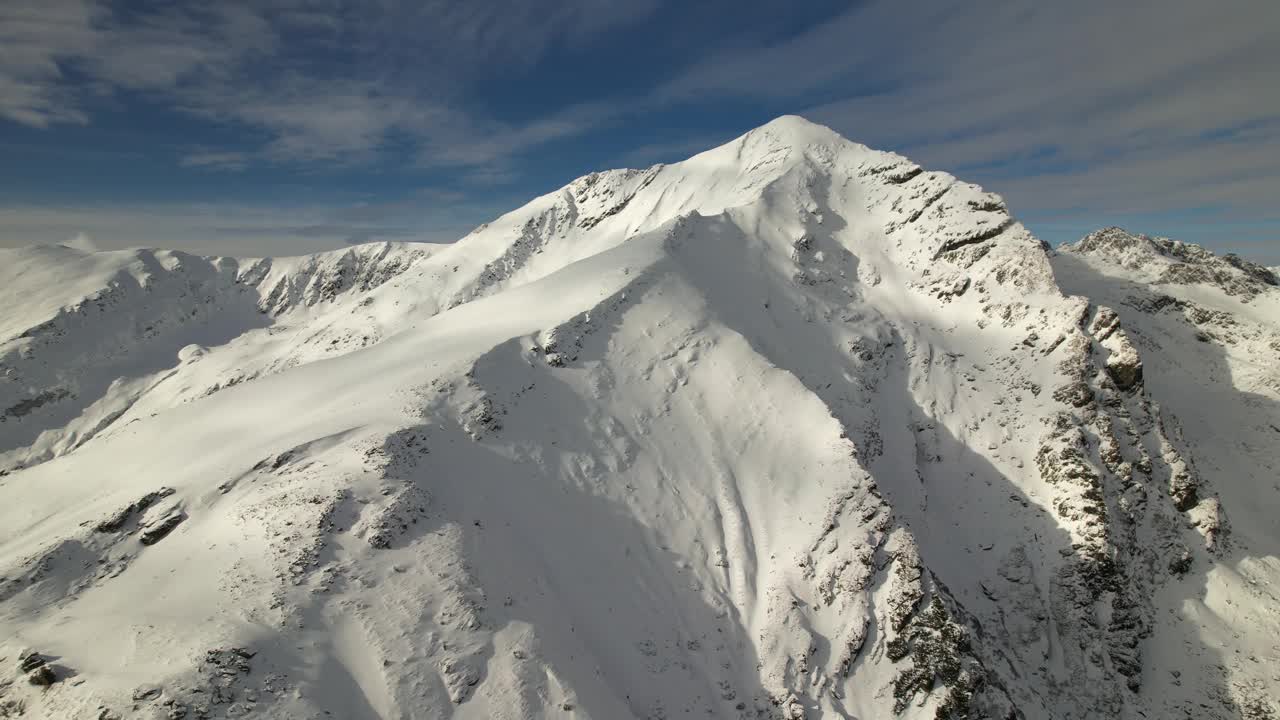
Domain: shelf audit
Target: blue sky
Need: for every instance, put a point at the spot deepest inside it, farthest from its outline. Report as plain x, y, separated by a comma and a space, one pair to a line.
286, 126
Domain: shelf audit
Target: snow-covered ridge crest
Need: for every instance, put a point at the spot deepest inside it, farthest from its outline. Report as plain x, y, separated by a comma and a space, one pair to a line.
93, 332
793, 428
1172, 261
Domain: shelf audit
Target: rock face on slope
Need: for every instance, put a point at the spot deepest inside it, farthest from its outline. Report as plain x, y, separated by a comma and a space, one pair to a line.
793, 428
1166, 261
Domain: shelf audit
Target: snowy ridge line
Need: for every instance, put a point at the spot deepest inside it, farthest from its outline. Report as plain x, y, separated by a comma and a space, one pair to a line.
116, 344
793, 428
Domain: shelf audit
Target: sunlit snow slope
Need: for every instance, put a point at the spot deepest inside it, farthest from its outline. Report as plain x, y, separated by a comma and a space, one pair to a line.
793, 428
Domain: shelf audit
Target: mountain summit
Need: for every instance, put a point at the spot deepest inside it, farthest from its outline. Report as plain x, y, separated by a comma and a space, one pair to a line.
793, 428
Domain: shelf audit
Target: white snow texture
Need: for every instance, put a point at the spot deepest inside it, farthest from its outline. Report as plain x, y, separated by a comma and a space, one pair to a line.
793, 428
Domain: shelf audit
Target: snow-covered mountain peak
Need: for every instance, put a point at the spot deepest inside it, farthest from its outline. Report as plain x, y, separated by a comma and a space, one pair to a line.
793, 428
795, 130
798, 180
1164, 261
788, 133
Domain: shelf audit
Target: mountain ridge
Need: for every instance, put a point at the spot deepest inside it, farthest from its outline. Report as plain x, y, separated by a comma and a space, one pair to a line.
791, 428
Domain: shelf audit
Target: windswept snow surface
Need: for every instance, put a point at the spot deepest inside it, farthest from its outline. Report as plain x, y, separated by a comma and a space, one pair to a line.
793, 428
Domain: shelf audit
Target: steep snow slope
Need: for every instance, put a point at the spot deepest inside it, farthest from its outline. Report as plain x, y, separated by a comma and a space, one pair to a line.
792, 428
1208, 330
91, 334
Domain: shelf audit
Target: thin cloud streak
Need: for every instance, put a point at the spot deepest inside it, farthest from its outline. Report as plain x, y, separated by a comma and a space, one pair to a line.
248, 230
1142, 107
323, 89
232, 161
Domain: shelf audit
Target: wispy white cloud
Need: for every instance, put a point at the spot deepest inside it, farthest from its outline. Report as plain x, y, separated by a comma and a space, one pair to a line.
248, 230
83, 242
1088, 104
1092, 106
34, 36
337, 82
230, 160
